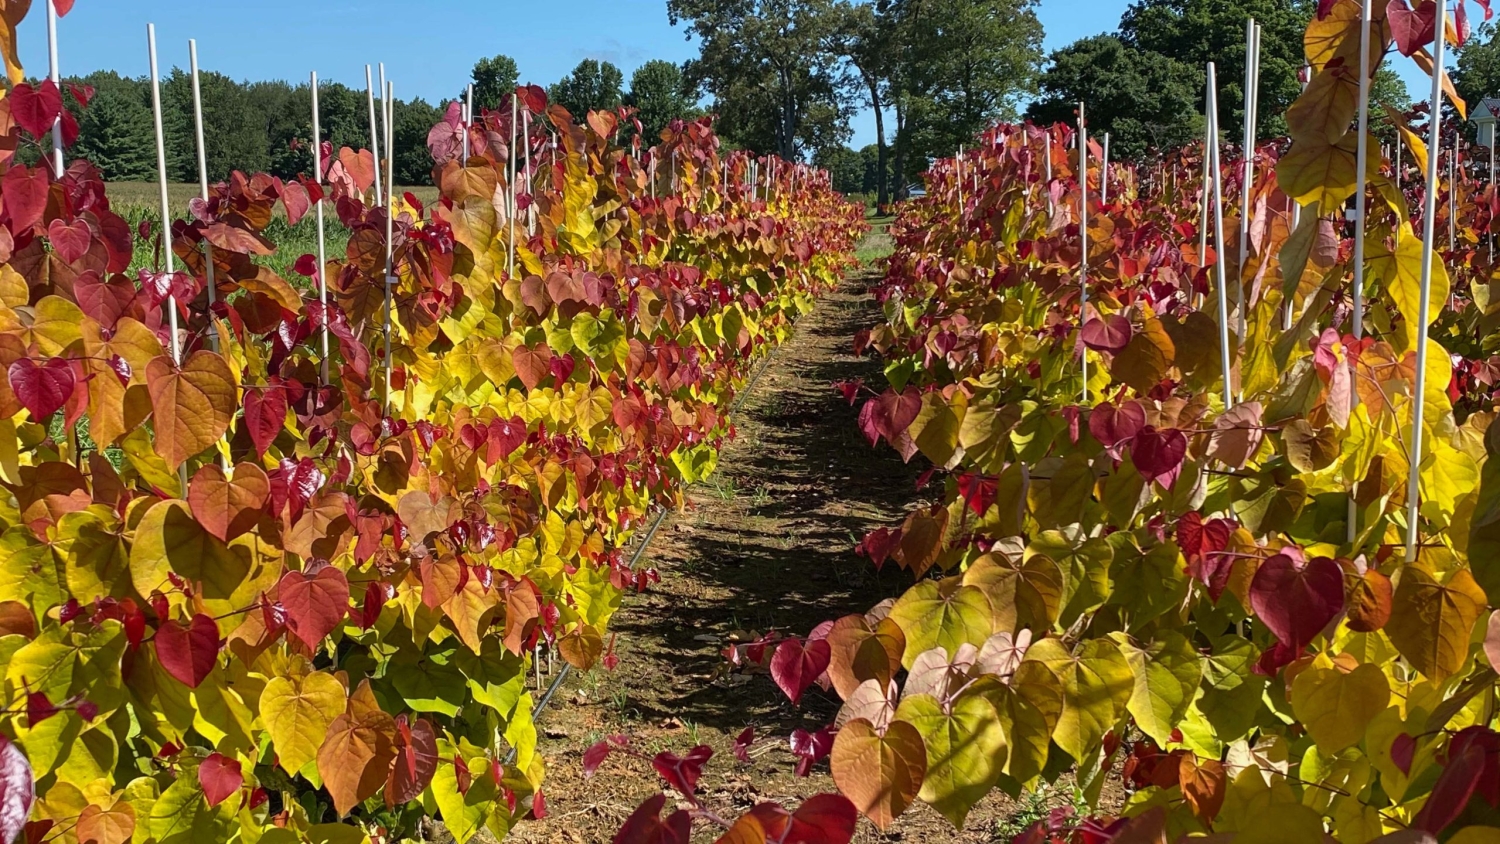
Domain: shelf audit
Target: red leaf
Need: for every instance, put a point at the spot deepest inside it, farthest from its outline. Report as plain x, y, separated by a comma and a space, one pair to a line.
682, 772
1402, 750
63, 7
84, 94
1106, 334
1455, 785
1297, 602
188, 651
36, 109
795, 667
810, 748
824, 819
38, 708
645, 825
42, 389
595, 756
306, 265
1158, 454
265, 414
70, 241
742, 744
416, 761
294, 197
220, 777
17, 790
25, 190
1110, 424
1412, 29
315, 604
505, 436
461, 776
895, 413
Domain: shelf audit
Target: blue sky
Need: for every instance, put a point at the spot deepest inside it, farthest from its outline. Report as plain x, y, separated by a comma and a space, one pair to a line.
428, 47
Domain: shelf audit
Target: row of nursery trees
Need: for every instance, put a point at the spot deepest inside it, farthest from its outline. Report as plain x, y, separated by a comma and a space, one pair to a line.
278, 553
1257, 585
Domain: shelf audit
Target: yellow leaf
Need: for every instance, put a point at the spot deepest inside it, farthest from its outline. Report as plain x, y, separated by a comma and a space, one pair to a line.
297, 712
1336, 707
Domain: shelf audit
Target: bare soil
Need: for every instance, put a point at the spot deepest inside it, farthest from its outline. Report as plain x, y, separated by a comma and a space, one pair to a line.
767, 543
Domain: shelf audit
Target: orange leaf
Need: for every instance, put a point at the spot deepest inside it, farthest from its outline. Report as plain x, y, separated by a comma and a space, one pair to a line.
880, 774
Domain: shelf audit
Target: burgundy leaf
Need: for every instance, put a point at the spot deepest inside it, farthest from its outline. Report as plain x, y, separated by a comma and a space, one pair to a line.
43, 390
1110, 424
17, 790
188, 651
265, 415
1297, 601
1158, 454
682, 772
795, 666
595, 756
1106, 334
416, 761
742, 744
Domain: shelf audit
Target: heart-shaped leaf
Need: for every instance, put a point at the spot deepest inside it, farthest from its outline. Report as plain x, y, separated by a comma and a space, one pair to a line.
188, 652
796, 666
880, 774
70, 241
1297, 601
17, 791
192, 405
220, 777
265, 414
44, 389
1158, 453
228, 508
315, 604
683, 772
1106, 334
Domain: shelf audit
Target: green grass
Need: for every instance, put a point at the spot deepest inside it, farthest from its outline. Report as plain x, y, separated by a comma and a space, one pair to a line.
877, 245
137, 201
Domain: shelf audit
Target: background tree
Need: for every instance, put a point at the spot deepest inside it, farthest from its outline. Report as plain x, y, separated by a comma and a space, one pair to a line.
960, 65
413, 121
1144, 100
115, 133
660, 94
593, 85
1196, 32
1478, 72
862, 35
777, 85
494, 79
845, 166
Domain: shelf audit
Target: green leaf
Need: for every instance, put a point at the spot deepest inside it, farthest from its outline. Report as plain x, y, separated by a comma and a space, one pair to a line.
965, 751
941, 614
1167, 672
1097, 685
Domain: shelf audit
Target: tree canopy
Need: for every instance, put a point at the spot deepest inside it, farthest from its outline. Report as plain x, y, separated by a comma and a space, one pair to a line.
494, 79
591, 86
660, 94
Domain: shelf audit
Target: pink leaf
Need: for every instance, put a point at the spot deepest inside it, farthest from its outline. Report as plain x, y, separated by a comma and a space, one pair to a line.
220, 777
17, 791
1106, 334
595, 756
70, 241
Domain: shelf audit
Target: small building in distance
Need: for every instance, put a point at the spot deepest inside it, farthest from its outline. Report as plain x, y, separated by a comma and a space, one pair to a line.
1484, 117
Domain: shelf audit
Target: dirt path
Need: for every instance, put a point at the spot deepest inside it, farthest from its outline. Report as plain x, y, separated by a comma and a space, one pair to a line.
767, 543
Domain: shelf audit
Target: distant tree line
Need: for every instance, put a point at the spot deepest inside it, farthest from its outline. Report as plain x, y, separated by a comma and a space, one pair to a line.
267, 126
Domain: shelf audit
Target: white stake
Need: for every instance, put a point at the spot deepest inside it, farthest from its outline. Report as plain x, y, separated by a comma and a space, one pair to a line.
1492, 187
390, 243
468, 119
208, 250
530, 177
54, 74
1361, 161
1218, 204
510, 180
1104, 173
1247, 186
1047, 163
1452, 195
317, 145
1206, 196
1414, 480
374, 127
1396, 162
1083, 241
958, 178
166, 210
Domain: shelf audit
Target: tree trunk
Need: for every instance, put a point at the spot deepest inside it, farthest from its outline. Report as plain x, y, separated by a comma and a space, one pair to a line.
900, 186
882, 195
